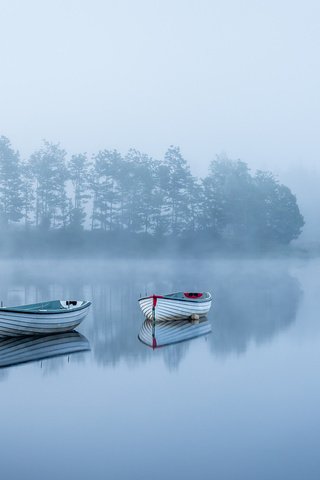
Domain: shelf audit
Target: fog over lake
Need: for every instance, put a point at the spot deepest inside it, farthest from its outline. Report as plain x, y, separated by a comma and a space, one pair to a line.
241, 402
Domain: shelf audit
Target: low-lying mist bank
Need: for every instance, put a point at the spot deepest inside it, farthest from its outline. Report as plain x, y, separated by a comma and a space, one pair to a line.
100, 244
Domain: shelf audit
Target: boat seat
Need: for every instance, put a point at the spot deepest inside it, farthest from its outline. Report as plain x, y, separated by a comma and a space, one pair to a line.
193, 295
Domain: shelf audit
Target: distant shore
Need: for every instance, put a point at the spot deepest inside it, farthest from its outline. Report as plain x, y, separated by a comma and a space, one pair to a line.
99, 244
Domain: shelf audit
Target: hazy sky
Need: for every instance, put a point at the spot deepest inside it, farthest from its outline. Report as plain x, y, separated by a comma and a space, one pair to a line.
233, 76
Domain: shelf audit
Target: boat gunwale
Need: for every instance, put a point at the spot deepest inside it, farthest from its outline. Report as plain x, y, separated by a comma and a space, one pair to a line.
167, 297
62, 310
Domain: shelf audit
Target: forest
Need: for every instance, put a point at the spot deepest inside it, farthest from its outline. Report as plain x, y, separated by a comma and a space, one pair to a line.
116, 204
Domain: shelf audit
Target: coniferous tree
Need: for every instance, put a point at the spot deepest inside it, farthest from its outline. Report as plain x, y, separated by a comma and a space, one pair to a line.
246, 209
278, 214
162, 215
195, 199
10, 183
227, 195
154, 199
50, 174
178, 186
27, 194
104, 184
127, 182
78, 173
138, 185
136, 194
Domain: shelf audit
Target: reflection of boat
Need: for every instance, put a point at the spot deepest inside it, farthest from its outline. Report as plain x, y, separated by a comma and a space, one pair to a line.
33, 348
165, 333
176, 306
42, 318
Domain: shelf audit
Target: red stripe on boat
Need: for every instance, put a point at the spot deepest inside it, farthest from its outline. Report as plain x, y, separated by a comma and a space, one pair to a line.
155, 298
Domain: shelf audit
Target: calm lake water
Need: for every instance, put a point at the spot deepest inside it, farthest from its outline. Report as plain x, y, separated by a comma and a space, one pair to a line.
240, 403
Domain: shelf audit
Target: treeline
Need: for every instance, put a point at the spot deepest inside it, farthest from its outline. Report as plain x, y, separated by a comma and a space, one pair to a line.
134, 195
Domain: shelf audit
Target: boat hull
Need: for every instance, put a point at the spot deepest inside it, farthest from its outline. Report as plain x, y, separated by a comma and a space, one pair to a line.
170, 309
168, 333
14, 324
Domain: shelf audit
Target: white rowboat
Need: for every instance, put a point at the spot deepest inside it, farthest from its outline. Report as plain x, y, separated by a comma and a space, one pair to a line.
42, 318
176, 306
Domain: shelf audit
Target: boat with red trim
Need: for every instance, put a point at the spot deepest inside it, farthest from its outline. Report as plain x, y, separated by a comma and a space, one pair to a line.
176, 306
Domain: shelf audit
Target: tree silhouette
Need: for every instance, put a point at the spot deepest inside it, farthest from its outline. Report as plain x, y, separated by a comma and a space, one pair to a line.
178, 189
27, 194
279, 217
137, 197
10, 183
78, 169
50, 174
104, 184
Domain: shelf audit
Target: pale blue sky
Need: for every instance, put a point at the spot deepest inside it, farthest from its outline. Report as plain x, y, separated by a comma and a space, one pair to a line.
211, 76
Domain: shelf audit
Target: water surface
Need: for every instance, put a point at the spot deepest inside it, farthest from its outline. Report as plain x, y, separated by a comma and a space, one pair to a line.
239, 403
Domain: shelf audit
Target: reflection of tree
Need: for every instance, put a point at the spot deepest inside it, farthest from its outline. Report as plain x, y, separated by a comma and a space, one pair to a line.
55, 365
174, 354
113, 332
255, 305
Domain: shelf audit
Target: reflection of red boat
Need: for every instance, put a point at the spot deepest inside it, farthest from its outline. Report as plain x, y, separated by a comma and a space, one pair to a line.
166, 333
176, 306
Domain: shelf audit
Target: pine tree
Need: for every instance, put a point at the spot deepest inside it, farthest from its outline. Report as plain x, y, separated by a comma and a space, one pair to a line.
27, 194
104, 185
10, 183
50, 174
226, 202
78, 173
178, 188
138, 185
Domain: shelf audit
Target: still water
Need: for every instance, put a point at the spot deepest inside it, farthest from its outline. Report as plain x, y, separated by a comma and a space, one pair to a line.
242, 402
